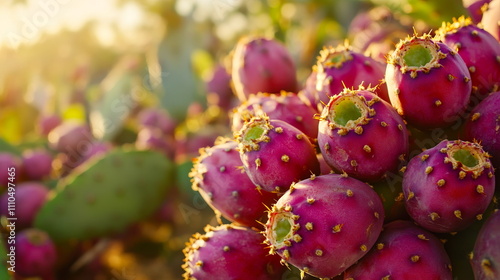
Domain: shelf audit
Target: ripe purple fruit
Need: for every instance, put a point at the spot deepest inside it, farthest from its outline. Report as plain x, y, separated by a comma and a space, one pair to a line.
230, 252
403, 251
341, 67
24, 201
37, 164
286, 106
428, 83
485, 258
262, 65
218, 175
449, 186
275, 154
480, 51
483, 125
36, 254
324, 224
9, 163
351, 127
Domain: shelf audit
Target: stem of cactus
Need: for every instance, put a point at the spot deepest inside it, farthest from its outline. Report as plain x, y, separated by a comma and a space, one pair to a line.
465, 157
417, 55
346, 111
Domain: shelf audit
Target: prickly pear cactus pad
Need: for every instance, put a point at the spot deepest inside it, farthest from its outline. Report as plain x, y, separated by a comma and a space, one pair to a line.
106, 195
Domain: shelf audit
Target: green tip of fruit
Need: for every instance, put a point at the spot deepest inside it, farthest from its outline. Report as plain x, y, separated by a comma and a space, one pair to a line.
417, 56
336, 59
346, 111
282, 228
254, 133
465, 157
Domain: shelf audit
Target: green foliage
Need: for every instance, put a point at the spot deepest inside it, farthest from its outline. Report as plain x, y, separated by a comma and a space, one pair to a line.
106, 195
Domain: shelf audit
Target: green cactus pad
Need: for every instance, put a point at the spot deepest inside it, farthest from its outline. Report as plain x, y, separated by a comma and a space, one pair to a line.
106, 195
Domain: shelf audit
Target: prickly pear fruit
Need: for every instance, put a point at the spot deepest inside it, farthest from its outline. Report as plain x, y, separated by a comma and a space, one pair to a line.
483, 125
157, 119
350, 129
286, 106
485, 258
324, 224
491, 16
428, 83
230, 252
343, 67
37, 164
262, 65
218, 175
23, 202
219, 90
36, 254
94, 201
480, 51
403, 251
9, 163
71, 138
449, 186
46, 123
476, 8
275, 153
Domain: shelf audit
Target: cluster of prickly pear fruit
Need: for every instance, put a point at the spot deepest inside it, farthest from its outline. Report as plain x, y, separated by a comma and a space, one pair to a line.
421, 126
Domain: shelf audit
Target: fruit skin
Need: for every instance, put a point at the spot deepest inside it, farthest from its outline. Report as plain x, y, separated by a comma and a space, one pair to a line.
218, 176
37, 164
93, 201
490, 19
275, 154
485, 258
262, 65
356, 147
29, 198
71, 137
431, 95
219, 90
476, 8
403, 251
483, 125
8, 160
286, 106
36, 254
341, 67
230, 252
324, 224
480, 51
443, 194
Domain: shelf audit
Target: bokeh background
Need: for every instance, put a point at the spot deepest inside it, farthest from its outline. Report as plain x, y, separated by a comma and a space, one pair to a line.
102, 62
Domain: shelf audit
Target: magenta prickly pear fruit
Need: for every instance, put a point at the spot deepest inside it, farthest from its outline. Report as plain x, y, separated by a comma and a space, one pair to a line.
343, 67
219, 90
428, 83
324, 224
8, 163
483, 125
262, 65
286, 106
275, 154
480, 51
71, 138
154, 139
46, 123
23, 202
36, 254
230, 252
485, 258
476, 9
157, 119
351, 127
491, 17
218, 175
449, 186
403, 251
37, 164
